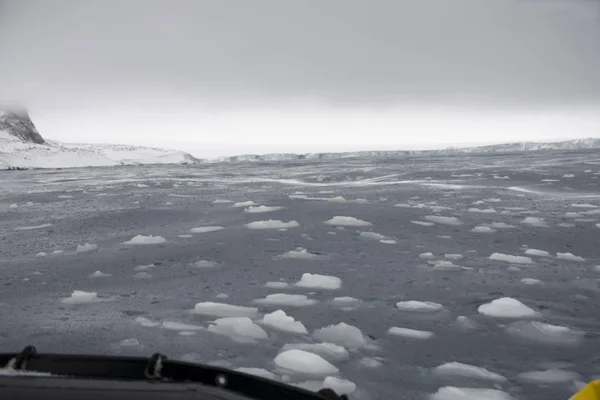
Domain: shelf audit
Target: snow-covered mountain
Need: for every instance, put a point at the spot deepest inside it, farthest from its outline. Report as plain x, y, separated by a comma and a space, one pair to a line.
21, 145
576, 144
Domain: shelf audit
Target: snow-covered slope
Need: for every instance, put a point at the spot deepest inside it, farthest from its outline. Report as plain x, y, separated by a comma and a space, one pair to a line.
576, 144
22, 146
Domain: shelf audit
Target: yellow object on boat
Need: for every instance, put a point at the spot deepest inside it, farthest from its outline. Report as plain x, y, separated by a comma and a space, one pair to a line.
590, 392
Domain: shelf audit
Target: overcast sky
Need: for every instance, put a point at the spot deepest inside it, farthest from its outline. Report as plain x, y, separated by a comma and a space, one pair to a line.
238, 76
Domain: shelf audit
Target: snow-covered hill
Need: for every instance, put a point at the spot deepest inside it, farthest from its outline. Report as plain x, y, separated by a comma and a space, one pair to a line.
22, 146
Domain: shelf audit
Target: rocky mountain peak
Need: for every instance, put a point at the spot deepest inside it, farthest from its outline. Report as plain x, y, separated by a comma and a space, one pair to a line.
16, 122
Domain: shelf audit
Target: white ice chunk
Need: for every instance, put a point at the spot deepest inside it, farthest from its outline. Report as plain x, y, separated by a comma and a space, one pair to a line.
205, 264
129, 342
263, 373
370, 362
178, 326
549, 376
482, 229
338, 385
206, 229
468, 371
185, 236
222, 201
460, 393
261, 209
466, 323
426, 256
482, 210
438, 219
13, 206
58, 251
545, 333
510, 258
276, 285
570, 257
284, 299
272, 224
238, 327
83, 248
280, 320
538, 253
81, 297
501, 225
453, 256
372, 236
422, 223
346, 221
534, 221
98, 274
222, 296
244, 204
329, 351
387, 241
419, 306
300, 253
568, 176
316, 281
337, 199
41, 254
445, 265
141, 239
341, 334
530, 281
410, 333
29, 228
224, 310
345, 301
506, 307
143, 267
303, 362
146, 322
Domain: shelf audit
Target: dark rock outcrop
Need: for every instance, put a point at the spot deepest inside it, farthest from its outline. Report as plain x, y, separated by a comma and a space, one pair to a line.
18, 124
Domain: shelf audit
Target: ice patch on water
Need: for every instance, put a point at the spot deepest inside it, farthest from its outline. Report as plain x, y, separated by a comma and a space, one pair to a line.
387, 241
345, 301
549, 376
460, 393
569, 257
13, 206
29, 228
568, 176
370, 362
98, 274
248, 203
468, 371
316, 281
222, 201
534, 221
341, 334
346, 221
303, 362
337, 199
482, 210
81, 297
372, 236
419, 306
530, 281
506, 307
129, 342
280, 320
338, 385
566, 225
263, 373
224, 310
283, 299
143, 267
84, 248
445, 265
454, 256
205, 264
146, 322
329, 351
410, 333
422, 223
141, 239
58, 252
483, 229
510, 258
466, 323
262, 209
438, 219
300, 253
426, 256
238, 328
545, 333
178, 326
206, 229
272, 224
41, 254
501, 225
538, 253
276, 285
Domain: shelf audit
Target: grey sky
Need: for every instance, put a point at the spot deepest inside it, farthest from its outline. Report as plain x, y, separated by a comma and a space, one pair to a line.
251, 72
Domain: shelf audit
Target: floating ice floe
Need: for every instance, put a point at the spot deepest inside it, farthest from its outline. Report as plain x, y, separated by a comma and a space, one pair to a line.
316, 281
426, 256
568, 176
540, 332
370, 362
81, 297
237, 328
205, 264
534, 221
280, 320
501, 225
410, 333
445, 265
372, 236
347, 221
506, 307
483, 229
422, 223
419, 306
58, 252
178, 326
549, 376
337, 199
84, 248
530, 281
129, 342
224, 310
482, 210
303, 362
29, 228
143, 267
329, 351
538, 253
454, 256
284, 299
345, 301
222, 201
341, 334
263, 373
569, 257
438, 219
98, 274
272, 224
41, 254
141, 239
262, 209
244, 204
510, 258
468, 371
206, 229
461, 393
300, 253
466, 323
277, 285
145, 322
387, 241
